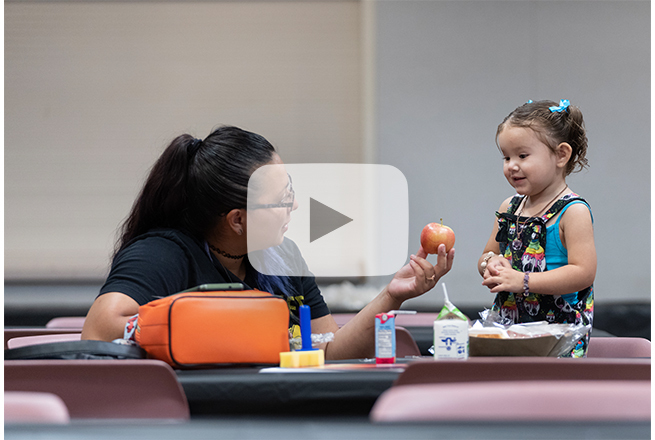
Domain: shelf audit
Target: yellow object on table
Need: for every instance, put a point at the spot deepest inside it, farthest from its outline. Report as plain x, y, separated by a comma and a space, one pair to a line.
302, 358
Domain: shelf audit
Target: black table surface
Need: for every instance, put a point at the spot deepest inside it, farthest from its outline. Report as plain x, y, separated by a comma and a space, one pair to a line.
258, 390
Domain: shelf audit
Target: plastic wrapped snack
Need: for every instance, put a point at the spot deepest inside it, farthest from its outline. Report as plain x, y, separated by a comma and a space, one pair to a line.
317, 339
489, 338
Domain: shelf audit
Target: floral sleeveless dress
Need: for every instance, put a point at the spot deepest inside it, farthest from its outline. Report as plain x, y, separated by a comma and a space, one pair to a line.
523, 245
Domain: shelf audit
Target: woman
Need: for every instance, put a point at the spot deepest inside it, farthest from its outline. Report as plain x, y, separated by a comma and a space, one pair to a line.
189, 226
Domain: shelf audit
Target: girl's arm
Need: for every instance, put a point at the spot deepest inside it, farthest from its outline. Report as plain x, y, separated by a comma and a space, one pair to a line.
356, 339
576, 231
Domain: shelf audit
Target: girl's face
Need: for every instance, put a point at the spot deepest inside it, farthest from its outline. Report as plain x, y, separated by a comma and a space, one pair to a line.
529, 165
271, 212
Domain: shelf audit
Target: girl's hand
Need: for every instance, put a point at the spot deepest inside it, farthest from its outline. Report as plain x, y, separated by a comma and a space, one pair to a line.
503, 278
494, 264
419, 276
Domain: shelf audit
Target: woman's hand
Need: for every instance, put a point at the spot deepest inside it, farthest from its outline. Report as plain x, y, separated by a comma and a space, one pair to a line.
419, 276
356, 339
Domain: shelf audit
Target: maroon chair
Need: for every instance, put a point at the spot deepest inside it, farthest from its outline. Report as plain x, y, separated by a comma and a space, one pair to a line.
405, 343
417, 320
68, 322
488, 369
518, 401
33, 407
11, 333
24, 341
618, 347
126, 388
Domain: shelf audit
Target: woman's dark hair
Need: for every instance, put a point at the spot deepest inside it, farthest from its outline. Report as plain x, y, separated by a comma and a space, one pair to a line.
195, 182
553, 127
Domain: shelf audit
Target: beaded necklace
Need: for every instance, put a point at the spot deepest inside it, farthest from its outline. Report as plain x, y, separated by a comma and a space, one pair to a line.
520, 226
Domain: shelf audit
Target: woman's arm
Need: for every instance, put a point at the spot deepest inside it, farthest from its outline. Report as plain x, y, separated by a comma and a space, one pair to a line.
108, 315
577, 234
356, 339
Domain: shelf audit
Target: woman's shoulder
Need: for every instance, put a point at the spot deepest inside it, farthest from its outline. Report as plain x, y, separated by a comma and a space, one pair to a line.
151, 265
159, 244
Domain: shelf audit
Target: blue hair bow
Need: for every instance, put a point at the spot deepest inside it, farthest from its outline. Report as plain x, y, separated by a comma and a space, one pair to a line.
563, 105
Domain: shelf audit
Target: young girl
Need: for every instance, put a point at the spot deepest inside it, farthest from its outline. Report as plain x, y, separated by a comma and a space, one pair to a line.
540, 260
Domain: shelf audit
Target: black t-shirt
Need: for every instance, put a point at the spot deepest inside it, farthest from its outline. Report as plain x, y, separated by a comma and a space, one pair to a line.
166, 261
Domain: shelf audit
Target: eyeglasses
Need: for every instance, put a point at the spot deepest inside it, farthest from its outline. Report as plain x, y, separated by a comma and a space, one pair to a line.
286, 202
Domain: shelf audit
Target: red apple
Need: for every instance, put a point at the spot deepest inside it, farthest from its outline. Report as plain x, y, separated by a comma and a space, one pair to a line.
434, 234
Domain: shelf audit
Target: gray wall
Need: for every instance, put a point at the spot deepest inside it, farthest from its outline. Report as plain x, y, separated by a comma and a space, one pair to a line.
448, 72
94, 90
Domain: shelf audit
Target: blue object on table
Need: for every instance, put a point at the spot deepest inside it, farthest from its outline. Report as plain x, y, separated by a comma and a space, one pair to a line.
306, 328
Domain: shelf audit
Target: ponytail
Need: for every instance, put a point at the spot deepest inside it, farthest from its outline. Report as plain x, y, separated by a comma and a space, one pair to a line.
577, 136
195, 182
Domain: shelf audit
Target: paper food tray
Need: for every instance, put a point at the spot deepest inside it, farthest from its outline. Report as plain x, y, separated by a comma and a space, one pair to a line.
537, 346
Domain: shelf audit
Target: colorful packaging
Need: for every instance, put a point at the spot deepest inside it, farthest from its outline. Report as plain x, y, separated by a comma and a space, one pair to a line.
451, 337
385, 338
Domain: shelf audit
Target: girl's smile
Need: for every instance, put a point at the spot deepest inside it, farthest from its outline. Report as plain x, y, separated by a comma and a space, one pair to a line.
529, 165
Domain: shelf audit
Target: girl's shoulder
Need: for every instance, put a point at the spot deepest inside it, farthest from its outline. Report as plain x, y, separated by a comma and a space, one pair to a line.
578, 209
569, 201
573, 208
510, 203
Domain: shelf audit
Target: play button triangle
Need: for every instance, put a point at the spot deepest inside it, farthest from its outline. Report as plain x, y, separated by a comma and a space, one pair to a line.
323, 220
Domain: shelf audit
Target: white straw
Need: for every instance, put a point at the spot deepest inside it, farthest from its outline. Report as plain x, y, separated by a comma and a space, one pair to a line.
445, 292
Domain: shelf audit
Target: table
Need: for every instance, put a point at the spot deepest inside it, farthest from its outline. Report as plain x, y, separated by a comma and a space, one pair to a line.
352, 387
346, 388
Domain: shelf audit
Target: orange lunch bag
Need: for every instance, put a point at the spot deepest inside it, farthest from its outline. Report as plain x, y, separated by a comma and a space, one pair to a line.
203, 326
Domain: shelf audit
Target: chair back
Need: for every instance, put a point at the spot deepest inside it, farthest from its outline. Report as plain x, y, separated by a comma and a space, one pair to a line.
34, 407
488, 369
618, 347
24, 341
71, 322
125, 388
532, 401
405, 343
414, 320
11, 333
421, 319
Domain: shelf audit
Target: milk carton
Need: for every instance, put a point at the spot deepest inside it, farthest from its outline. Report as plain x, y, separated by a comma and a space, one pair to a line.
451, 336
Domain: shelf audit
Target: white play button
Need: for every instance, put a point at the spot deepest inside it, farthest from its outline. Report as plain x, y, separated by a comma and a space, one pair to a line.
323, 220
336, 220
